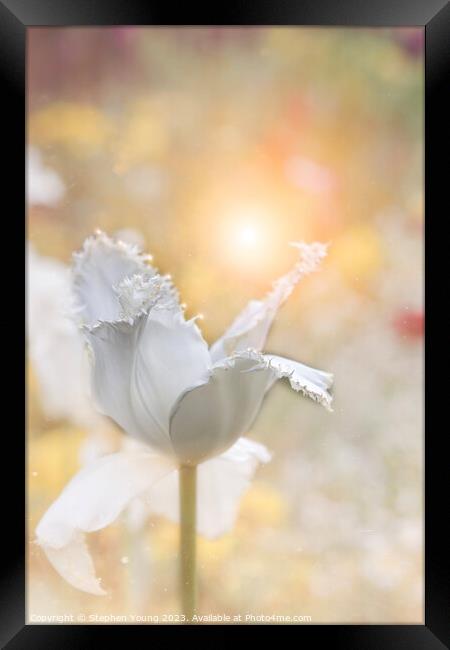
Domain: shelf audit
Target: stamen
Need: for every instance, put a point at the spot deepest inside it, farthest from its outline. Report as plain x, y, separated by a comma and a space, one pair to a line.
141, 292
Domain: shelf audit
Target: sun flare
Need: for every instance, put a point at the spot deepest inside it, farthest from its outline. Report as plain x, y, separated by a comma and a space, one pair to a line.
245, 237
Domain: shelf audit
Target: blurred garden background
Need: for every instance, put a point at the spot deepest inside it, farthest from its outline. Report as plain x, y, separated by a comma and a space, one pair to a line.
213, 148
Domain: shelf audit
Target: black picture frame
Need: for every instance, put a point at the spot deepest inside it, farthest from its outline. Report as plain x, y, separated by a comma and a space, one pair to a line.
434, 15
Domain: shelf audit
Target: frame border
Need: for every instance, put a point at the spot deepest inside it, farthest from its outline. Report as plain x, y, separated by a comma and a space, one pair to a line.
434, 15
357, 13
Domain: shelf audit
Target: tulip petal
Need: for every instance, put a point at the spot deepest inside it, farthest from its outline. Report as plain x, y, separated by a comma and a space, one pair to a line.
114, 350
141, 368
94, 498
309, 381
251, 327
74, 563
99, 267
221, 482
209, 418
171, 356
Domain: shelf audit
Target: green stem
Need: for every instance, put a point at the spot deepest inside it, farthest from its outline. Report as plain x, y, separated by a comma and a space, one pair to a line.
188, 499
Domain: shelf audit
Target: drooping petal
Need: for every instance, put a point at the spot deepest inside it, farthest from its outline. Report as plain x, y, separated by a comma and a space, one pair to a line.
99, 267
251, 327
309, 381
93, 499
141, 368
221, 483
74, 563
209, 418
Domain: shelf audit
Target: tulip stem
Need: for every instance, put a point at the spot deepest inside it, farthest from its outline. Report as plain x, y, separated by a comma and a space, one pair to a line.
188, 502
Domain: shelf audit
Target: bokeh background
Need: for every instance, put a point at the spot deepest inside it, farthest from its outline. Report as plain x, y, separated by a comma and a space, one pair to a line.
214, 148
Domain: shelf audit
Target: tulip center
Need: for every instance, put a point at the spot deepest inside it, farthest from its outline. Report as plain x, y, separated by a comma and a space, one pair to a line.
143, 291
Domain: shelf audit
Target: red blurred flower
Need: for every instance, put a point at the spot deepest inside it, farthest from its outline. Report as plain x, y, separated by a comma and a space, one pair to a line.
412, 41
410, 324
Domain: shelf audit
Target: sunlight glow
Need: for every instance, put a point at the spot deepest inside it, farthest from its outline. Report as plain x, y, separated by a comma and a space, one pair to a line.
248, 235
245, 236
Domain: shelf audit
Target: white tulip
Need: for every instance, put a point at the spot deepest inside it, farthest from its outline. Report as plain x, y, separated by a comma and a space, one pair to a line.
185, 404
44, 186
55, 346
56, 349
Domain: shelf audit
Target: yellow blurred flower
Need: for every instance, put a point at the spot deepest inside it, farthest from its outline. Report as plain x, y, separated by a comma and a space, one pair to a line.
212, 553
164, 537
53, 459
263, 506
34, 408
357, 253
80, 127
144, 136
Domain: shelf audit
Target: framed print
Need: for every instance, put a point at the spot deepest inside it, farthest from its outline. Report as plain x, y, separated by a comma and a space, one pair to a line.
228, 403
